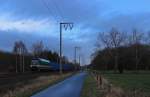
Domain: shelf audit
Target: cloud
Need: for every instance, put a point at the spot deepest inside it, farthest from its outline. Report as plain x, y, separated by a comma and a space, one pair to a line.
29, 25
31, 30
41, 27
7, 40
23, 18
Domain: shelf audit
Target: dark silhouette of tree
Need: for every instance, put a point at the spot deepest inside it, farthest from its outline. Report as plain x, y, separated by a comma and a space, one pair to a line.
136, 40
20, 51
37, 48
132, 53
112, 39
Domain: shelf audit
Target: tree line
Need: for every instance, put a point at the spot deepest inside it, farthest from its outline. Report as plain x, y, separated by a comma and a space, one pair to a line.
119, 51
19, 59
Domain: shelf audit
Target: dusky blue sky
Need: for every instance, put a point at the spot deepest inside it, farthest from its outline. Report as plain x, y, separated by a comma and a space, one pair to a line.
31, 21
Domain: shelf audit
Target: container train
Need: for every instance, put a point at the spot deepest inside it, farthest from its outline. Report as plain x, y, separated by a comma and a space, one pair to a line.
39, 64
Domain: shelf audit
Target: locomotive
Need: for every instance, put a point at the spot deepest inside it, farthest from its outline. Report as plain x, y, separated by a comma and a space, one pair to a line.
40, 64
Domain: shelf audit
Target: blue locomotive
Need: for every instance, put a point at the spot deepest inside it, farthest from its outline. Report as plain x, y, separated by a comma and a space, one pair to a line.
39, 64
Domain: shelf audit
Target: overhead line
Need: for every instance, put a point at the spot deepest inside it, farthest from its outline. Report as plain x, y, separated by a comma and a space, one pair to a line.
58, 9
50, 12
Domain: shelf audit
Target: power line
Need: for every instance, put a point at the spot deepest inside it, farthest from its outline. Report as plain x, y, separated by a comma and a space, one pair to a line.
45, 5
57, 13
58, 9
50, 11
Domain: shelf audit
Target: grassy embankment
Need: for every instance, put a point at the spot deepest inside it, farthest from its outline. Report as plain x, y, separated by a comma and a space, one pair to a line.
90, 88
35, 85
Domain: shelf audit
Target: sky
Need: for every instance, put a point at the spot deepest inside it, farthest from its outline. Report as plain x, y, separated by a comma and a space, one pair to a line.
38, 20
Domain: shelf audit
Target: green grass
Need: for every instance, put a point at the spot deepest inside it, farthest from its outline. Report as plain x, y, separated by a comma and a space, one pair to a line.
125, 72
130, 82
90, 88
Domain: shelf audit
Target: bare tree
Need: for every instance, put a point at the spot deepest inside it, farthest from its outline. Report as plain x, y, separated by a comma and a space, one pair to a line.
20, 50
136, 40
37, 48
110, 40
147, 38
15, 51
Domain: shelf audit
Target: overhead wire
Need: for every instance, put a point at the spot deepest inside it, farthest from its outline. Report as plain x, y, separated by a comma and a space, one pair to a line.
55, 11
50, 10
58, 9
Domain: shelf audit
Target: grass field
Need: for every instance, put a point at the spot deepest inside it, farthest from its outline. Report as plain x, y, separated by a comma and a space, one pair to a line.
131, 82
